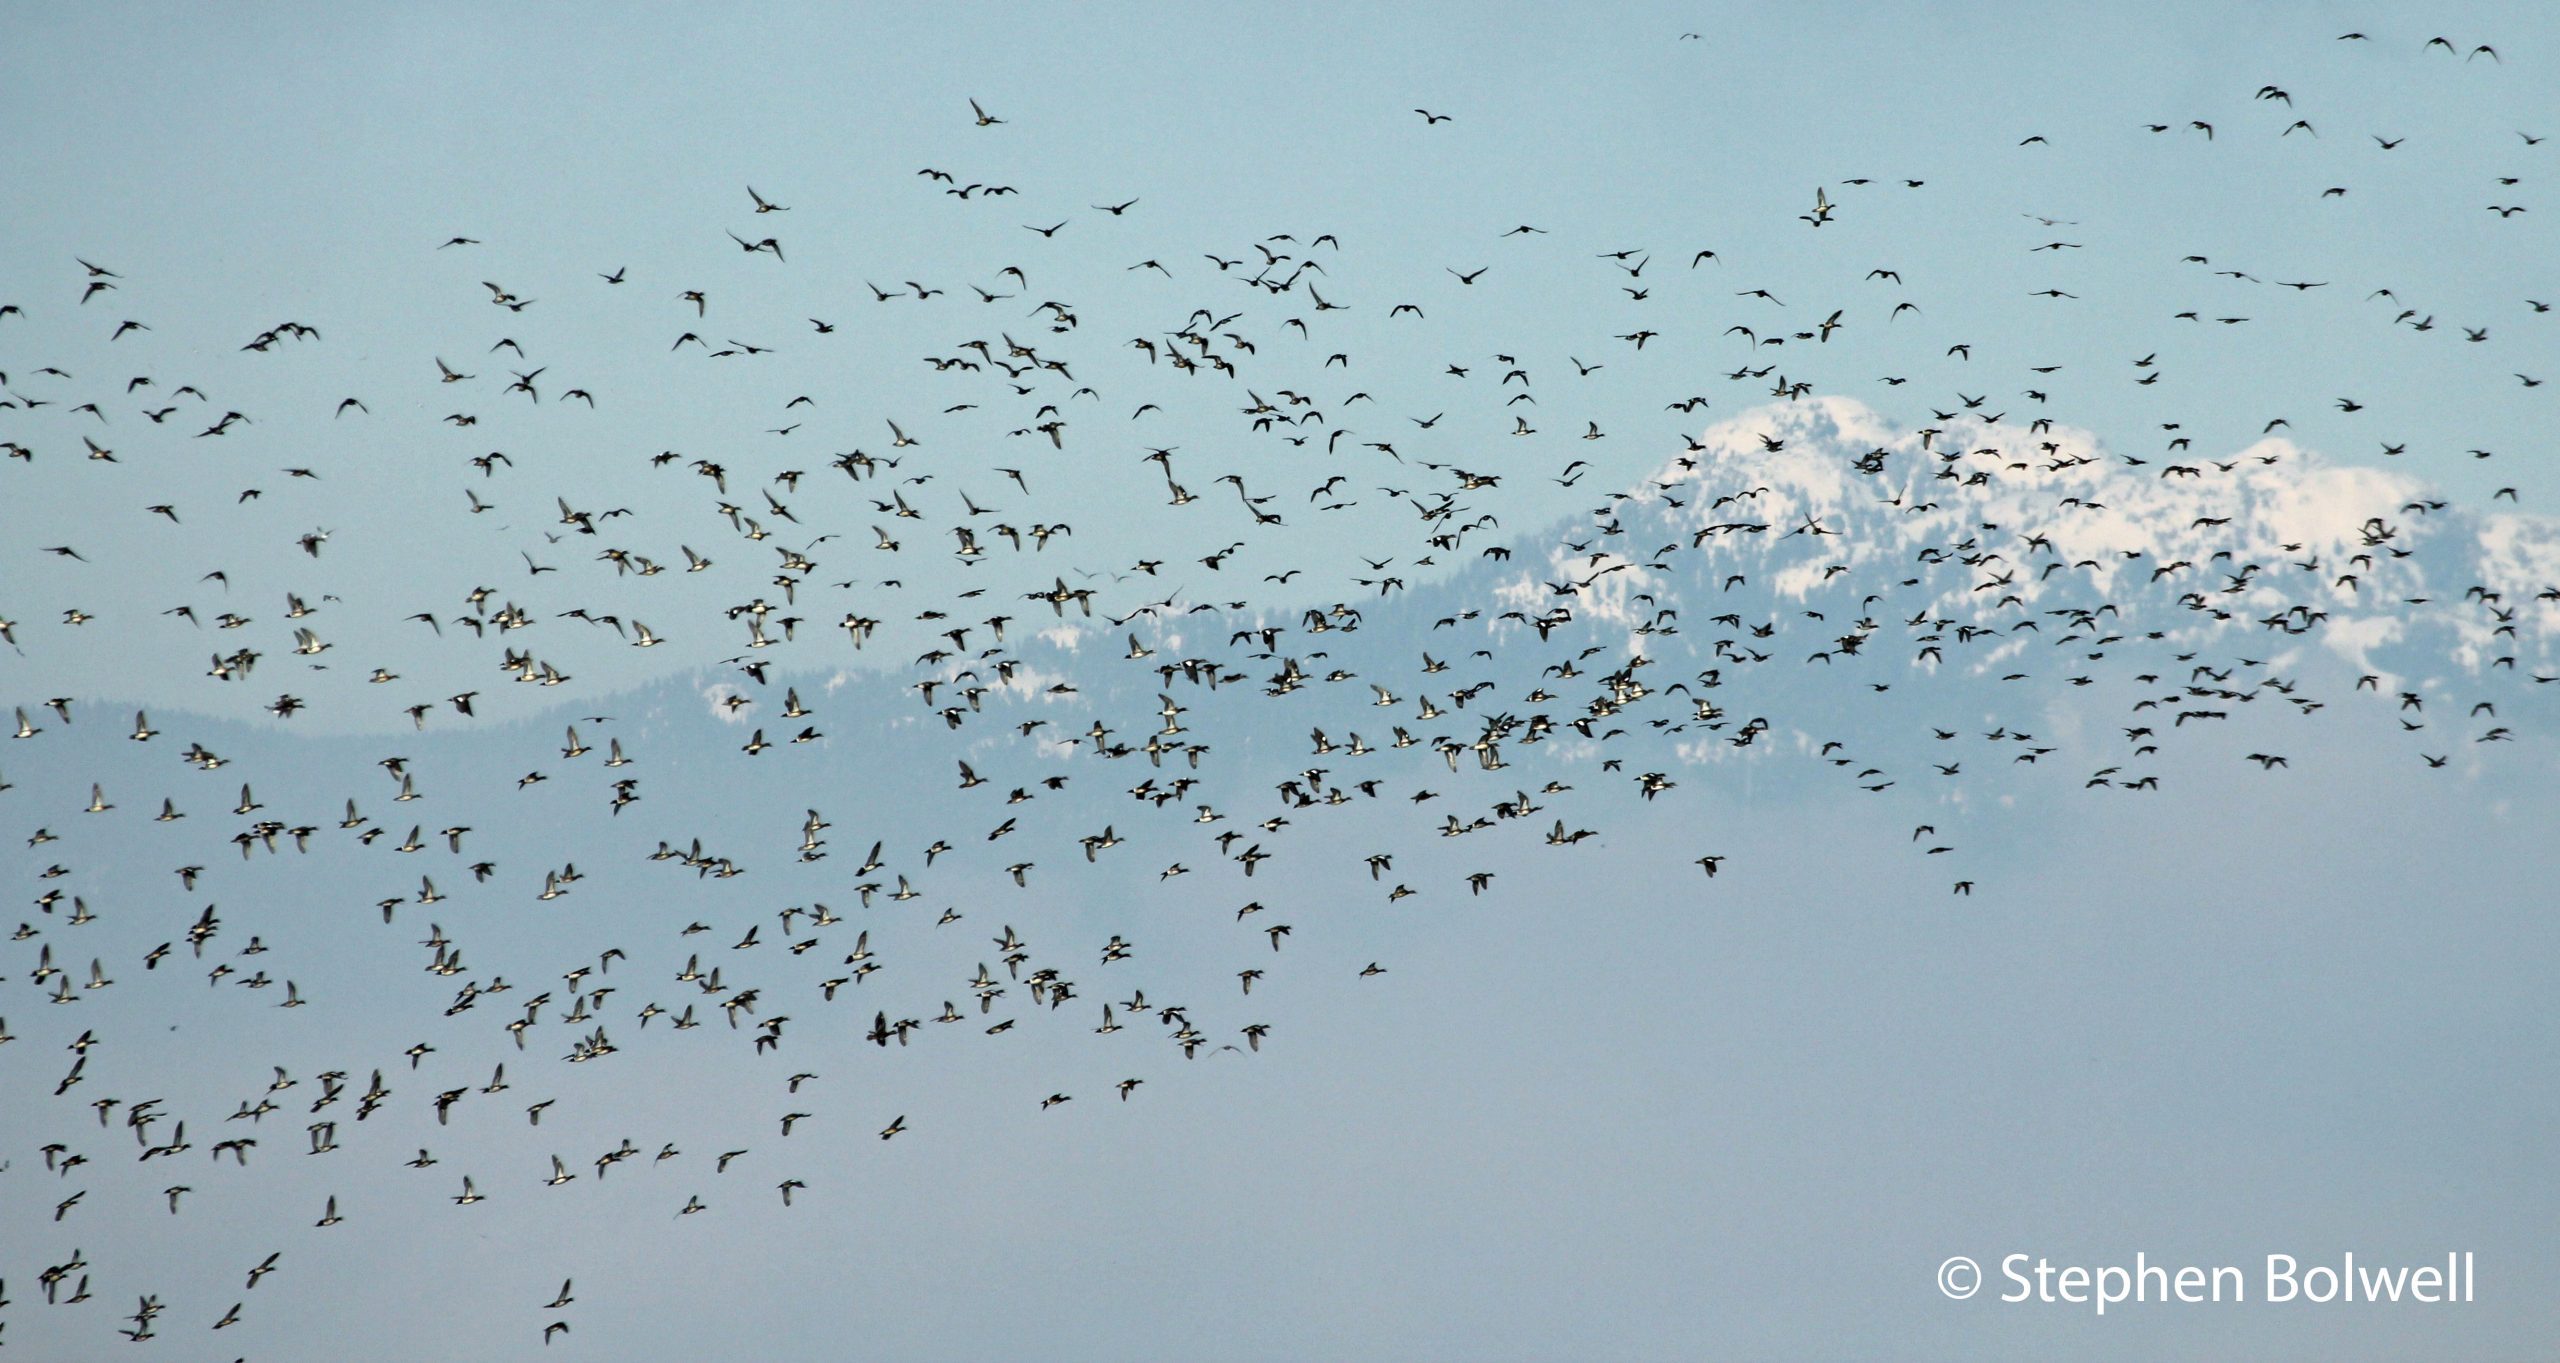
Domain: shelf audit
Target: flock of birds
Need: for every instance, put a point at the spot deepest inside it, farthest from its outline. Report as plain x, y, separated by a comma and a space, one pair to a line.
1732, 607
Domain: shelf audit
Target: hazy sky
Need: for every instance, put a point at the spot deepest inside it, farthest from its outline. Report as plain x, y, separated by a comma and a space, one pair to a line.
239, 173
2061, 532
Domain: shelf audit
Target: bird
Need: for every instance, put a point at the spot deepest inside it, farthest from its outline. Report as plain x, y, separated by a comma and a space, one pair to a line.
1392, 636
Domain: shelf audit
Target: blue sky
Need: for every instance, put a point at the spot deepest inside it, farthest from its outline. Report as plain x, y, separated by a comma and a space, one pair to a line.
1715, 143
2086, 598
